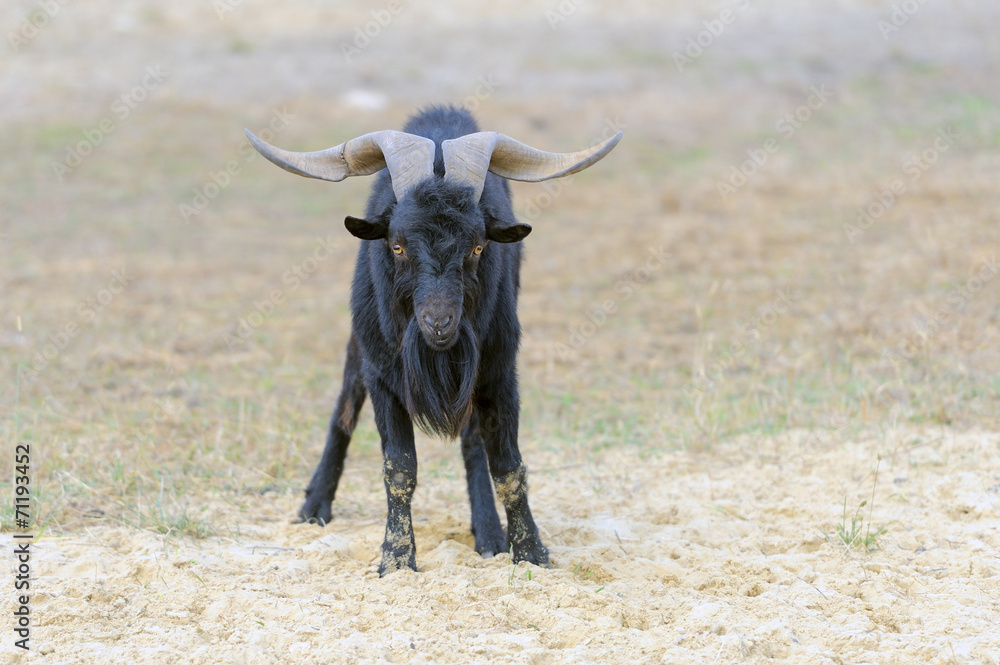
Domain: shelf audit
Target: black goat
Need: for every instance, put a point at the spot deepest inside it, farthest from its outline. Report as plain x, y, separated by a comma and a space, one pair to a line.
434, 302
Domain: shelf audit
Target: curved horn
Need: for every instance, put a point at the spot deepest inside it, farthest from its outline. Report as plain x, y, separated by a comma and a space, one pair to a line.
410, 158
468, 158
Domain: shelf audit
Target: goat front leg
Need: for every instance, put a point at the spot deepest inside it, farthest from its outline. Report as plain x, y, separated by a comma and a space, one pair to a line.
399, 473
498, 416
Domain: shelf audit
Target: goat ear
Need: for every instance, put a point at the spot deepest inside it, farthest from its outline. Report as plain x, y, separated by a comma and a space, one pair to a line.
499, 230
362, 228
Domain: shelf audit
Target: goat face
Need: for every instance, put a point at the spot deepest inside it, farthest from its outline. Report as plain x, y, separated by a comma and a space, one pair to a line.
435, 240
436, 229
436, 237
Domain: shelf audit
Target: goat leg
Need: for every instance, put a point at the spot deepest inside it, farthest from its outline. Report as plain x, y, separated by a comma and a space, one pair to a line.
499, 427
323, 486
486, 527
399, 473
512, 488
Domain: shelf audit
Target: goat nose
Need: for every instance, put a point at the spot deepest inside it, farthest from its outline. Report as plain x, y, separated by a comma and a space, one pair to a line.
437, 323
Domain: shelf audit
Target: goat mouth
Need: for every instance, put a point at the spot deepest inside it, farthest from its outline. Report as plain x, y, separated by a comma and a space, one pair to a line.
439, 340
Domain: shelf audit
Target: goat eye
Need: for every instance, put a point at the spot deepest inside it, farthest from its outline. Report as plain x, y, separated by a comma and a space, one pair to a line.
397, 249
478, 250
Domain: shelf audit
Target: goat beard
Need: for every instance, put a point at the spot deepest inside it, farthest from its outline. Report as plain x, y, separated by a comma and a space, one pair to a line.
440, 385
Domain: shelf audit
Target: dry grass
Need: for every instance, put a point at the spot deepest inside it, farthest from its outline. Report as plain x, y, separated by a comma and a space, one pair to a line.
147, 408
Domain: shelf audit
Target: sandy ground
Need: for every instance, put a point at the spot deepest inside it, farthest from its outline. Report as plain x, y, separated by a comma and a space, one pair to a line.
675, 535
669, 557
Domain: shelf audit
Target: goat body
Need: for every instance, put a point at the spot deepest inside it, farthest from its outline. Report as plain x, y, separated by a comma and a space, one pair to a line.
435, 332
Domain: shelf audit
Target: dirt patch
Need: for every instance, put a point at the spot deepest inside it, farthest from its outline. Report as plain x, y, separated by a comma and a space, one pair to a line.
672, 557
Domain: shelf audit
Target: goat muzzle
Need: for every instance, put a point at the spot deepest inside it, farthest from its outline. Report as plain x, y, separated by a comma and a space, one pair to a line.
438, 321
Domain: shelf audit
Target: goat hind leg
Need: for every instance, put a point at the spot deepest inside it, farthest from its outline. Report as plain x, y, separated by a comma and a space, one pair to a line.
323, 486
486, 528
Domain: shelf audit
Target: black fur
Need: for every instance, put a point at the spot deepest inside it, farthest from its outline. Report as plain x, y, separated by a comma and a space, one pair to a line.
440, 384
434, 342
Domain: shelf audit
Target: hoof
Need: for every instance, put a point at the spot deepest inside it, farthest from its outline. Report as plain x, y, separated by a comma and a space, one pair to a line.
393, 562
535, 553
316, 511
491, 544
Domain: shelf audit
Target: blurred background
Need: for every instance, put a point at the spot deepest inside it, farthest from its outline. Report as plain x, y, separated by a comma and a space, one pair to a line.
798, 231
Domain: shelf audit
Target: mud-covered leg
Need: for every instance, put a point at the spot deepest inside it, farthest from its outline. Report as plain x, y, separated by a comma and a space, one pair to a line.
399, 473
508, 472
323, 486
512, 488
489, 534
